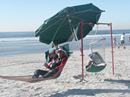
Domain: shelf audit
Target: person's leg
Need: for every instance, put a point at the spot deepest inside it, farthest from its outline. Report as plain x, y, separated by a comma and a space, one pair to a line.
39, 72
124, 44
121, 43
50, 73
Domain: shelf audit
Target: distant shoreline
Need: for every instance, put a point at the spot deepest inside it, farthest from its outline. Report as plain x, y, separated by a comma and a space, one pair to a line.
12, 43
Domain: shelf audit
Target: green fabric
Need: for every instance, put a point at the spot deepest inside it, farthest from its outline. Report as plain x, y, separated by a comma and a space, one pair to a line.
51, 50
94, 68
59, 27
97, 64
66, 48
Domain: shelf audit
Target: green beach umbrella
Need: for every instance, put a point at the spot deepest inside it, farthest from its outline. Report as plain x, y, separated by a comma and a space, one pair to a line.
60, 28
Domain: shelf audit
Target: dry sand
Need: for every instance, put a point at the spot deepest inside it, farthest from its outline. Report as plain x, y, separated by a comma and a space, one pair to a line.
102, 84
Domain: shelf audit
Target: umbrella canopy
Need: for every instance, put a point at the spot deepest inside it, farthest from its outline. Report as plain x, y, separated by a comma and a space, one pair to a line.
60, 28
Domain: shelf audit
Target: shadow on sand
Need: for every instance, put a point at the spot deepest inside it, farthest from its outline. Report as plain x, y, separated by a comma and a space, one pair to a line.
126, 82
93, 92
89, 92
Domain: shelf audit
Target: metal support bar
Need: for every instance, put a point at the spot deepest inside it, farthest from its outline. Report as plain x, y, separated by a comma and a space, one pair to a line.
82, 53
112, 52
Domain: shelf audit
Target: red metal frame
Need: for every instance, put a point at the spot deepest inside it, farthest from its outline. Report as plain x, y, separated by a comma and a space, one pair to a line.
82, 53
112, 52
81, 49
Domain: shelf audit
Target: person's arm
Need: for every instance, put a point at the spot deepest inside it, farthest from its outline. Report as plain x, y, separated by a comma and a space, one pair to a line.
48, 65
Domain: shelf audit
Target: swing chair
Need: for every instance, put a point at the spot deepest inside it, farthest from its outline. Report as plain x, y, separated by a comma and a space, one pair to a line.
97, 54
96, 64
92, 66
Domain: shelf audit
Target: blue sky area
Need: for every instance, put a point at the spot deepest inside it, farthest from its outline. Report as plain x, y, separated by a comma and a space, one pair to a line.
28, 15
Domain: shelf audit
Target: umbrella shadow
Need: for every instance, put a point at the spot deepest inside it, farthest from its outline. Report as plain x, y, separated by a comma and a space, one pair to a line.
89, 92
126, 82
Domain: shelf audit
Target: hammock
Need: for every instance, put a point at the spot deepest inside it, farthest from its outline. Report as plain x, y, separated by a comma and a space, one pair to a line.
29, 78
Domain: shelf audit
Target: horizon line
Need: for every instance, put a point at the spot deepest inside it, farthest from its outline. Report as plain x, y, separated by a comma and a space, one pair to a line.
91, 30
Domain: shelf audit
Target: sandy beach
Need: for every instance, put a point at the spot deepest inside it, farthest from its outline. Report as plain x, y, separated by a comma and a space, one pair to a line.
102, 84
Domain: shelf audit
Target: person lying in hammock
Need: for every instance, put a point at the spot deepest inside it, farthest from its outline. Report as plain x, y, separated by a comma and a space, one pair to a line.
54, 65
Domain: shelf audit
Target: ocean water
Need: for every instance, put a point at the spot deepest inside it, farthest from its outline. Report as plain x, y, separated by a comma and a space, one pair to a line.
12, 43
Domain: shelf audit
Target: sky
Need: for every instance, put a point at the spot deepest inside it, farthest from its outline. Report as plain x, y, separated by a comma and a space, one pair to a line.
28, 15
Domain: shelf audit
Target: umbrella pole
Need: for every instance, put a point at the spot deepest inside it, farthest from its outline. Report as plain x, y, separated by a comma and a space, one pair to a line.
82, 53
